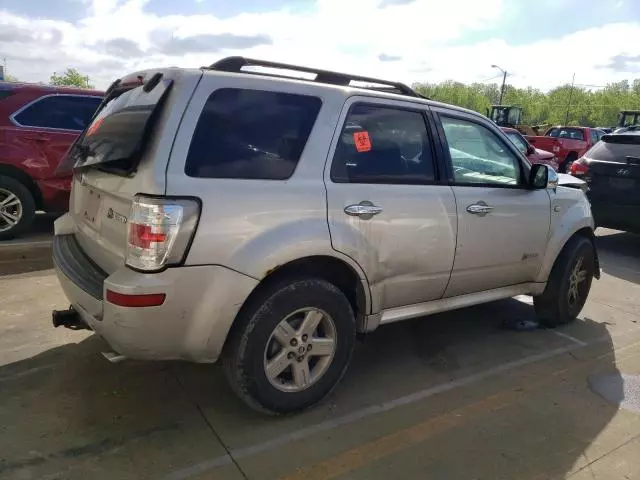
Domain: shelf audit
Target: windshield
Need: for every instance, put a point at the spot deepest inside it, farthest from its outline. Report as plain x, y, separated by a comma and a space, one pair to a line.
116, 133
518, 141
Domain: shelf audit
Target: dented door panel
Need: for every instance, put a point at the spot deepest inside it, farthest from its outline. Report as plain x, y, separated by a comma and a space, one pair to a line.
406, 245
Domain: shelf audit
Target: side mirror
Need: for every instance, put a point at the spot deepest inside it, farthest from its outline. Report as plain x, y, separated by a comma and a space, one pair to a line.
542, 176
531, 150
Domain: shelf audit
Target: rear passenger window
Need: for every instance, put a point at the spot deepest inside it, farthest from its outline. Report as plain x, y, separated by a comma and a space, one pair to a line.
251, 134
383, 145
63, 112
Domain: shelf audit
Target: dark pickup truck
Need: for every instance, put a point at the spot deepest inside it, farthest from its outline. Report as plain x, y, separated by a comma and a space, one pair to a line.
612, 172
567, 143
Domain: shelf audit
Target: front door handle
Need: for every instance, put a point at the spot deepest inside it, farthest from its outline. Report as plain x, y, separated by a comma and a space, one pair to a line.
479, 208
364, 210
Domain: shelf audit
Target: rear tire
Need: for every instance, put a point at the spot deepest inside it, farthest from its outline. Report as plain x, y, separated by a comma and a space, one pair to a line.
17, 208
273, 334
568, 285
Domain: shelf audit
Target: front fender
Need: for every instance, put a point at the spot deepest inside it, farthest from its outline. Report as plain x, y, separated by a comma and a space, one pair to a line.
570, 213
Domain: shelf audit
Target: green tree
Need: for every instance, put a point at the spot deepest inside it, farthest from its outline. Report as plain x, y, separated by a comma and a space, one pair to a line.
71, 78
574, 105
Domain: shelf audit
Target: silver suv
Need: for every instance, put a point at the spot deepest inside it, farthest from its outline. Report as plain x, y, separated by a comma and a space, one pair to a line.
238, 214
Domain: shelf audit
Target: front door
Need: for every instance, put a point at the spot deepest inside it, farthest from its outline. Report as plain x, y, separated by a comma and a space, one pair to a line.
503, 227
386, 206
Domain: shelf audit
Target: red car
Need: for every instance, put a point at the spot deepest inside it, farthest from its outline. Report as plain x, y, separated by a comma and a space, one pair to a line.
37, 126
535, 155
568, 143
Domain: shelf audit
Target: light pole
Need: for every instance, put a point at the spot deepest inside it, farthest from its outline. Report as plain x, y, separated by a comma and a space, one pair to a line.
504, 80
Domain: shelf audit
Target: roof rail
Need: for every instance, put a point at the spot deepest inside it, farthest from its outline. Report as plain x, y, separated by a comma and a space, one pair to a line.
236, 63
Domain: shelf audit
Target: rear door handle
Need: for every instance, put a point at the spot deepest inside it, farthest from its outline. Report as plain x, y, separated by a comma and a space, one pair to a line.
479, 208
363, 210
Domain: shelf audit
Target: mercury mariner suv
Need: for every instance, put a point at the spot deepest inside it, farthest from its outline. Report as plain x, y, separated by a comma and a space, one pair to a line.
263, 214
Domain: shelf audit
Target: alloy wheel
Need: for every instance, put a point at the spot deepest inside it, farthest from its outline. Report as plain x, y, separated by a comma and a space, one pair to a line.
576, 280
10, 210
300, 350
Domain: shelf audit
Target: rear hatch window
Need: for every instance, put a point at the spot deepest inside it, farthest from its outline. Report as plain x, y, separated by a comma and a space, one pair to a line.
119, 130
616, 148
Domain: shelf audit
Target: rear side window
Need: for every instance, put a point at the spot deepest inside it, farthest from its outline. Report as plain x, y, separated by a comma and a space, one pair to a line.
572, 133
594, 136
251, 134
64, 112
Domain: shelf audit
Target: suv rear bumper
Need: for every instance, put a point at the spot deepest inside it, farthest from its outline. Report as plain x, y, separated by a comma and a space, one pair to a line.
616, 216
192, 324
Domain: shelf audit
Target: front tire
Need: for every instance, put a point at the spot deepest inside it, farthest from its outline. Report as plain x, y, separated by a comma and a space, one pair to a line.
568, 285
17, 208
291, 346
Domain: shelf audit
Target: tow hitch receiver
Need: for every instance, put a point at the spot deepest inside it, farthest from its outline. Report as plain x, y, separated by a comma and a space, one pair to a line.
68, 318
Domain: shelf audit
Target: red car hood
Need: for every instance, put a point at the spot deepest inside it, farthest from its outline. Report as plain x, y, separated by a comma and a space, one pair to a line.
544, 155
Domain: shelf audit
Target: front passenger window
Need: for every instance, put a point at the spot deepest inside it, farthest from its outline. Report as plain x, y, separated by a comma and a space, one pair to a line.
478, 156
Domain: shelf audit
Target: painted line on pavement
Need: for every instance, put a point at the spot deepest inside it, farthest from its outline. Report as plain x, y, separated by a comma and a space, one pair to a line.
24, 373
22, 243
568, 337
364, 454
302, 433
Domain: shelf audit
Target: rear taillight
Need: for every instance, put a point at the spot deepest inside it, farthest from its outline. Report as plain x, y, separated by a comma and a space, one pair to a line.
579, 168
160, 231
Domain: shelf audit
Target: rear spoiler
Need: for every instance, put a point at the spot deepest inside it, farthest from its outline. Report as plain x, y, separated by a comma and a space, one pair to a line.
626, 138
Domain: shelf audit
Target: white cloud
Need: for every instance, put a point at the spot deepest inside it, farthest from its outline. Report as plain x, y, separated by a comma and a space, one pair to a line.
334, 34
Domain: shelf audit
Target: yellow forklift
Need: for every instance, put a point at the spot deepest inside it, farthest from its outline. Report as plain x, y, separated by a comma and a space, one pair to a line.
510, 116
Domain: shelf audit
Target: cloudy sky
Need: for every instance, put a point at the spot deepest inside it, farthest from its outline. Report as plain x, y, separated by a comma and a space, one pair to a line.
540, 42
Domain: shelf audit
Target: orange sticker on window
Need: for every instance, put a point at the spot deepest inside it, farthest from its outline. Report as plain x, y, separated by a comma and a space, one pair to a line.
362, 140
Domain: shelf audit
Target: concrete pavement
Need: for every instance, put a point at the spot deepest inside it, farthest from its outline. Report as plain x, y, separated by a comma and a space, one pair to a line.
450, 397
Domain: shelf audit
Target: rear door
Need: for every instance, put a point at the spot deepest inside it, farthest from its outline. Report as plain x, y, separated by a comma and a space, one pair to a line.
123, 152
503, 226
387, 208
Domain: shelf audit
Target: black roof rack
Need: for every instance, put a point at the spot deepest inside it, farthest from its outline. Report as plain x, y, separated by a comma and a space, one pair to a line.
236, 63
